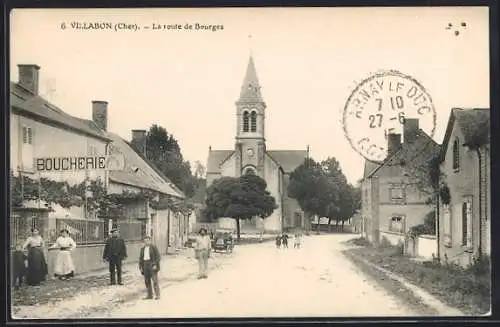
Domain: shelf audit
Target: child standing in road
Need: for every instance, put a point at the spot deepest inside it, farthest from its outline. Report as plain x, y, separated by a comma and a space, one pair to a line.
278, 241
297, 242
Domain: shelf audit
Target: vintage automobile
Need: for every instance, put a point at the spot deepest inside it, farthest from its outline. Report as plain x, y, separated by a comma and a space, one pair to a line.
223, 240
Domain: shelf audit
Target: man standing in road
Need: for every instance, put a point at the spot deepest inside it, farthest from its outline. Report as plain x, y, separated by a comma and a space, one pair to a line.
149, 265
202, 248
115, 252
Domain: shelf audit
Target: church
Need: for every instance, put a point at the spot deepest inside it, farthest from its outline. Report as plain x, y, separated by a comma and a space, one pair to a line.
251, 156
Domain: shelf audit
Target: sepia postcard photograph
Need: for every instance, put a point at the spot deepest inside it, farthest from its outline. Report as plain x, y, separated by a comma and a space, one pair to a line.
249, 163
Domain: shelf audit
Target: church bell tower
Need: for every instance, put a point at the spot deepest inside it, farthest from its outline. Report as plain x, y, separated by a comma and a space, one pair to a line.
250, 115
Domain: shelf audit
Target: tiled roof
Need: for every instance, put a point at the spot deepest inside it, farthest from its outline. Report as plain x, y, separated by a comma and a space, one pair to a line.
40, 109
414, 154
288, 159
474, 124
215, 158
138, 172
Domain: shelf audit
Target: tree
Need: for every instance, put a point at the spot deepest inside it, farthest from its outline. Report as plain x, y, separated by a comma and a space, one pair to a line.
310, 187
239, 198
164, 152
322, 189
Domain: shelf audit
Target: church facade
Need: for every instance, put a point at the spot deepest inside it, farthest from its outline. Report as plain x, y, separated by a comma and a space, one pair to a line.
251, 156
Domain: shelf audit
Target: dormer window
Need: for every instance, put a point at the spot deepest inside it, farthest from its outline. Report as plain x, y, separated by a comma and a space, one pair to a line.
246, 121
456, 155
253, 121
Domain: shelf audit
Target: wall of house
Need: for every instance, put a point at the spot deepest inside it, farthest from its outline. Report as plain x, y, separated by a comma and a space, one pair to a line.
366, 208
463, 182
486, 226
159, 226
49, 141
89, 257
272, 177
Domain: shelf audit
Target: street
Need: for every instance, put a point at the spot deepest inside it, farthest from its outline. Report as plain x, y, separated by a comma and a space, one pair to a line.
262, 281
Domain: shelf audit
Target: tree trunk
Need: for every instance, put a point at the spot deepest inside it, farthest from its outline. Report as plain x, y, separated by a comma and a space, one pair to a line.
238, 229
342, 224
329, 224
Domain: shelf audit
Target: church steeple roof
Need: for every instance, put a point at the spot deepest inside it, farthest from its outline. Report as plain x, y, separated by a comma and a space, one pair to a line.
250, 90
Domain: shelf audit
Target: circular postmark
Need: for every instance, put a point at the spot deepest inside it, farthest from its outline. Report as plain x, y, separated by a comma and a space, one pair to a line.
379, 106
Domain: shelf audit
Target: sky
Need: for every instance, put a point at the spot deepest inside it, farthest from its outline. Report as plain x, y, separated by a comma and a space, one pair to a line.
308, 61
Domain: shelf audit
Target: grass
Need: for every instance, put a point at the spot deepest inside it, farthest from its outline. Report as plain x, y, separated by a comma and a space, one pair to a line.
400, 292
467, 289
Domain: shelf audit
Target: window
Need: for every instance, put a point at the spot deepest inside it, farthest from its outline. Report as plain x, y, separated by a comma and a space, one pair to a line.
27, 149
246, 122
397, 194
27, 135
467, 222
447, 227
396, 224
456, 155
253, 122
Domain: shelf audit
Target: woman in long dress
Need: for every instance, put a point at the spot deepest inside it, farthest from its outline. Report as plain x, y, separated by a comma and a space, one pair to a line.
37, 266
64, 268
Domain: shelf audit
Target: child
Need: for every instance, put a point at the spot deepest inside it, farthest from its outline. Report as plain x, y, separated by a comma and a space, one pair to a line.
278, 241
19, 260
297, 241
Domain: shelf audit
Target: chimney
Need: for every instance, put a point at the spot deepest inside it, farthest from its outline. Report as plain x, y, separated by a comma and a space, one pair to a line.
100, 114
393, 143
29, 77
410, 130
139, 140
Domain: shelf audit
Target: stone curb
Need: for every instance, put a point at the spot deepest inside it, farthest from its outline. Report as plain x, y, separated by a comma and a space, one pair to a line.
429, 300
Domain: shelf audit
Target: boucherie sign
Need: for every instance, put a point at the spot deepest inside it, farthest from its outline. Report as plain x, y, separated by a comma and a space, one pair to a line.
84, 163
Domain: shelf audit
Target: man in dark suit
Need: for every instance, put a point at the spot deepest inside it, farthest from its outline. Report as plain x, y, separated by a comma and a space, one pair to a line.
149, 265
115, 252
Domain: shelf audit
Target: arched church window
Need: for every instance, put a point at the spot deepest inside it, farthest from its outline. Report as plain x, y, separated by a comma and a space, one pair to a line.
246, 123
253, 121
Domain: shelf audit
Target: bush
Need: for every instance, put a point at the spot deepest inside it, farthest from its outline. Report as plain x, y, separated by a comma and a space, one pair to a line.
361, 241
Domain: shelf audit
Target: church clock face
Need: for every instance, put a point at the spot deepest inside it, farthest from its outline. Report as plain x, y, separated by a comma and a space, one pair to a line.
250, 152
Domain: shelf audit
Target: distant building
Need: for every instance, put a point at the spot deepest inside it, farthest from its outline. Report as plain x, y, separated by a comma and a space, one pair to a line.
392, 200
465, 222
250, 156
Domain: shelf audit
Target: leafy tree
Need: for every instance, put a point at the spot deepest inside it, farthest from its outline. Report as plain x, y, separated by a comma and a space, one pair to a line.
322, 189
164, 152
239, 198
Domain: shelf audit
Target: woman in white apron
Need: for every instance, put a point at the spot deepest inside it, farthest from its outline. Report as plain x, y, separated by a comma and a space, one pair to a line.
64, 268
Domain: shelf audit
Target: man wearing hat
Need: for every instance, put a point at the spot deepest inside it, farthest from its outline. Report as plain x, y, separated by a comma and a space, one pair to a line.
149, 265
114, 253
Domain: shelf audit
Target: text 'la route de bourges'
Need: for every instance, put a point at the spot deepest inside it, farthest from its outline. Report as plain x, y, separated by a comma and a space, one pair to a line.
124, 26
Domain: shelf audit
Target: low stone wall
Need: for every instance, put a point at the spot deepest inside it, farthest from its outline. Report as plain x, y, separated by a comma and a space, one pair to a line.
88, 258
427, 246
392, 238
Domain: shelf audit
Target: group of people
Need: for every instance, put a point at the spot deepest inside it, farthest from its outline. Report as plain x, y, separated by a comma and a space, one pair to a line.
29, 259
29, 263
282, 240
